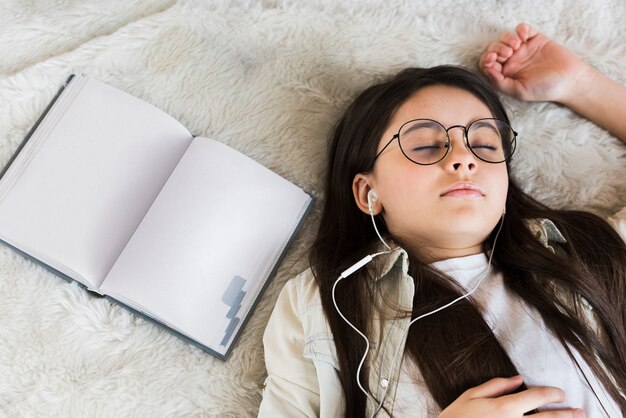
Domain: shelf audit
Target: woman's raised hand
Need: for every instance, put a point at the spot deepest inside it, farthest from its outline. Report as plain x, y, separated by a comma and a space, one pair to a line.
529, 66
494, 399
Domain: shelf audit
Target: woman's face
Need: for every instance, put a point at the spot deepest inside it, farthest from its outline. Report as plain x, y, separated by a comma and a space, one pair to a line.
416, 202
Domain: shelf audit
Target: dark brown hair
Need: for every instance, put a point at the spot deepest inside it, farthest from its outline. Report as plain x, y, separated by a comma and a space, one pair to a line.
591, 265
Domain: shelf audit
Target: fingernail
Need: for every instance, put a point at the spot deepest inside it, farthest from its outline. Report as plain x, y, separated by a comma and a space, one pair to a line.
580, 413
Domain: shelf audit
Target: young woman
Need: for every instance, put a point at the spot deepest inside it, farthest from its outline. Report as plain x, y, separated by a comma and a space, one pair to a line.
471, 299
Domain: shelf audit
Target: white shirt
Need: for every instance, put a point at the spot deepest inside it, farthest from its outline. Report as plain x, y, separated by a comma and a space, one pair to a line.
537, 354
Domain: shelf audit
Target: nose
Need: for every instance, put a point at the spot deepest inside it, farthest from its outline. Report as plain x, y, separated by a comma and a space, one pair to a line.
459, 157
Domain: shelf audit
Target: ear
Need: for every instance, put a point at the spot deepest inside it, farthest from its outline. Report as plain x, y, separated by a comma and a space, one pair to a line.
360, 188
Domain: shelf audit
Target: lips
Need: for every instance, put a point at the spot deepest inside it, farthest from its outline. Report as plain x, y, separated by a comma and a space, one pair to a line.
463, 189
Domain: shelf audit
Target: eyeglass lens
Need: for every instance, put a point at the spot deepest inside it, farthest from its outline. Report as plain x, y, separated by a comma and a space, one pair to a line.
425, 141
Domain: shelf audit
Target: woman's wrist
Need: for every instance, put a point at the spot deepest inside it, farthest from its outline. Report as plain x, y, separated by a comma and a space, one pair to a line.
599, 99
582, 88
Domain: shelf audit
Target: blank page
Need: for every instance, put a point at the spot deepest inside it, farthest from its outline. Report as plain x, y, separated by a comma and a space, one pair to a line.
209, 242
86, 177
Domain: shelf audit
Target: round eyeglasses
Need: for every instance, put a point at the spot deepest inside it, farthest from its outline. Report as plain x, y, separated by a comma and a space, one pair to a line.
426, 141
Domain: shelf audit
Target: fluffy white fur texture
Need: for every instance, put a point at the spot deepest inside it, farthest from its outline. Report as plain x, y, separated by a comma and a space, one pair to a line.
269, 78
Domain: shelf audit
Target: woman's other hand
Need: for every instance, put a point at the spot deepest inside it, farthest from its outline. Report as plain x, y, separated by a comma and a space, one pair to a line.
494, 399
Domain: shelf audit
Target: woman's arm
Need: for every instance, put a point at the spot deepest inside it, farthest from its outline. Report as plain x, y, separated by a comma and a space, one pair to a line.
601, 100
291, 388
530, 66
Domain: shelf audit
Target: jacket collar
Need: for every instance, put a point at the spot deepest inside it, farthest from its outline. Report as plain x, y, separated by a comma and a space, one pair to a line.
387, 260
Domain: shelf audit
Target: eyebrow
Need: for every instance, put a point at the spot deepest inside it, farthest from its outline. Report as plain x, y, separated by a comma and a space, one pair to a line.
421, 124
481, 124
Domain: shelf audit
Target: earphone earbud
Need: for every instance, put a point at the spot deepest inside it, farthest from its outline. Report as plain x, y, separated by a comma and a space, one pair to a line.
371, 198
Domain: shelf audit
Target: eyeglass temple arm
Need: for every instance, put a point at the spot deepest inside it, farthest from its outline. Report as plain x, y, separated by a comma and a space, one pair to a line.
385, 147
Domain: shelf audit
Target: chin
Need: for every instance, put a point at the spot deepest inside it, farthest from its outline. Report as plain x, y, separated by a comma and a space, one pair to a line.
473, 213
468, 228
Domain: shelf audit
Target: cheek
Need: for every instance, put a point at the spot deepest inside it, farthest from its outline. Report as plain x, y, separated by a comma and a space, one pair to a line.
500, 185
407, 193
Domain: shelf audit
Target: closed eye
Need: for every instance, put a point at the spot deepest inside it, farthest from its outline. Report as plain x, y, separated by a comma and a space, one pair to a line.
488, 147
426, 147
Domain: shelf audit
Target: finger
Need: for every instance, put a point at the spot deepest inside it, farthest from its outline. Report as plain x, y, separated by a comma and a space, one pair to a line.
504, 51
533, 398
498, 80
562, 413
495, 387
487, 59
504, 84
511, 40
496, 47
493, 73
525, 31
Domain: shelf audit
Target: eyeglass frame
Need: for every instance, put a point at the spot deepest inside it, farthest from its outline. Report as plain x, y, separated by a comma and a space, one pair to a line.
449, 141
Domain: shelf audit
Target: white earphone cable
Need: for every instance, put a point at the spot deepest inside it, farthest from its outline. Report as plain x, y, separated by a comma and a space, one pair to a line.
378, 233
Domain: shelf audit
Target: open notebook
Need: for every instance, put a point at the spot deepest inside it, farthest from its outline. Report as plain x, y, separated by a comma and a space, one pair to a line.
111, 192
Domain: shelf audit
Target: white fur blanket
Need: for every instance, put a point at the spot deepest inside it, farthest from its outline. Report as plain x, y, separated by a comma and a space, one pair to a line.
269, 78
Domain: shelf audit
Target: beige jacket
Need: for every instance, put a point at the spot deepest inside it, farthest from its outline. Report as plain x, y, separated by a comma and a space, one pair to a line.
300, 354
